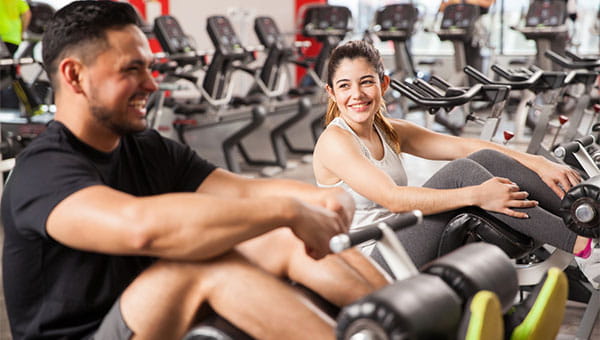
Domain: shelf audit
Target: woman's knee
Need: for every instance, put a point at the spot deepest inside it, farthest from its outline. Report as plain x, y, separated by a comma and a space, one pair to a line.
458, 173
486, 155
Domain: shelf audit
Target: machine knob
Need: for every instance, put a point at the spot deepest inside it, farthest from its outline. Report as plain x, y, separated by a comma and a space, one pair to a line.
585, 213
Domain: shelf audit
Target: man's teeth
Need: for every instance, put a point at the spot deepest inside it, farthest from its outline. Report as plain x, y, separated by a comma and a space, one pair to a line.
139, 104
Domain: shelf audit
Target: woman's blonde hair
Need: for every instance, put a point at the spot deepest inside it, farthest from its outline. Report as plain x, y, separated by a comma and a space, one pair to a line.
353, 50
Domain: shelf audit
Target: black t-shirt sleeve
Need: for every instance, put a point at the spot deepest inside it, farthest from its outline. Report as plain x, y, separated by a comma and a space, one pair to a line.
190, 170
43, 181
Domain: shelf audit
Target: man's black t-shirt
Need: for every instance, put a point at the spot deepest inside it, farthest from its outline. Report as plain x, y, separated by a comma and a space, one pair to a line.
53, 291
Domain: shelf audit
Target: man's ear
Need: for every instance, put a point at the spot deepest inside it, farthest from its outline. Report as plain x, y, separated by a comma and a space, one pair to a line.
69, 71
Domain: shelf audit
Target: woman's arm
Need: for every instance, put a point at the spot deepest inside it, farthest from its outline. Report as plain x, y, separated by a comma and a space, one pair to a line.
425, 143
337, 157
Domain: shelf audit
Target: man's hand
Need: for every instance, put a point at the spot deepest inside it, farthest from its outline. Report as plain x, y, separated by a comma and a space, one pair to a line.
315, 226
338, 201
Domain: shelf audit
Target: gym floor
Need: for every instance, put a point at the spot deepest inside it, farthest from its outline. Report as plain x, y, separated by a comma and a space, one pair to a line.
303, 172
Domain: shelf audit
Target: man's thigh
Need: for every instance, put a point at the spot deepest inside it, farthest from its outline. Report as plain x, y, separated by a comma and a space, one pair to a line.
113, 327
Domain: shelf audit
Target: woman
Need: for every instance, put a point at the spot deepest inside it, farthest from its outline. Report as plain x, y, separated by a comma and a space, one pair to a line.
360, 150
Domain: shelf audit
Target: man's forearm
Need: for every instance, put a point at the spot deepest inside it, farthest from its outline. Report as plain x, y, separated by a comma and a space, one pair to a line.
178, 226
198, 228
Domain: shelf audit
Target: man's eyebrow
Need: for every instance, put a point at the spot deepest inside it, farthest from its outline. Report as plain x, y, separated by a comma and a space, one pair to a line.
139, 62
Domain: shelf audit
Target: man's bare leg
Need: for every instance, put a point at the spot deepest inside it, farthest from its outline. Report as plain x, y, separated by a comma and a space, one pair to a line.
341, 279
162, 302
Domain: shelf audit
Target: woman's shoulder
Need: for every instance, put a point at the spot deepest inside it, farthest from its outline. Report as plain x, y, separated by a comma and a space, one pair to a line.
335, 132
335, 139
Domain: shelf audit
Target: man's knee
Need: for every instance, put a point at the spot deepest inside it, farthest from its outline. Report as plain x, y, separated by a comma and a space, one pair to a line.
199, 276
273, 251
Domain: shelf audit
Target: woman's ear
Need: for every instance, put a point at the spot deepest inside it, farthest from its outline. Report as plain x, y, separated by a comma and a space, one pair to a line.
385, 83
69, 71
330, 92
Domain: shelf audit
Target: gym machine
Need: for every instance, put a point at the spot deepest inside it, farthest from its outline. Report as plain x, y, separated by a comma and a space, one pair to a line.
580, 211
214, 112
457, 26
396, 23
545, 24
328, 25
586, 73
450, 97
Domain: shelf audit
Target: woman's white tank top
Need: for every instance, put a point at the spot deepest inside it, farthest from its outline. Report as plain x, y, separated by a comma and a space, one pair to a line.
367, 211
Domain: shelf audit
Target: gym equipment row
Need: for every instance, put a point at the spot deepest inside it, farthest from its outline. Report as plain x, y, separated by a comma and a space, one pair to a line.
433, 302
270, 109
574, 153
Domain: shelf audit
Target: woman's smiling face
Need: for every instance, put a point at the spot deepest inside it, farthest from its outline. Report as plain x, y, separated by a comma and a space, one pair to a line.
357, 90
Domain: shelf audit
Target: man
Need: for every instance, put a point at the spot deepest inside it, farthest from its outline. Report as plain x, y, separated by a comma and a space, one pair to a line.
15, 16
14, 19
114, 232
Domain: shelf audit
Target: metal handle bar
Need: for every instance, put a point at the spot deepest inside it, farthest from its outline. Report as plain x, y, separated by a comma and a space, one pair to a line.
516, 85
571, 64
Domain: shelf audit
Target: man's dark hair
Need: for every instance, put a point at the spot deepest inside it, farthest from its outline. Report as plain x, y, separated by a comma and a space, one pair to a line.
82, 26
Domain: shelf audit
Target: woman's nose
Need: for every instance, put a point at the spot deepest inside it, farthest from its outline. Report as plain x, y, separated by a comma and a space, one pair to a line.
356, 92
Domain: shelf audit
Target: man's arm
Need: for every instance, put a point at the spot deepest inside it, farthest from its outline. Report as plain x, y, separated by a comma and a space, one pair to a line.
25, 20
226, 184
188, 226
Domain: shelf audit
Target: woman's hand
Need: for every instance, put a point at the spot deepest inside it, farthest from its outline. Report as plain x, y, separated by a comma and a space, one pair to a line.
500, 194
560, 178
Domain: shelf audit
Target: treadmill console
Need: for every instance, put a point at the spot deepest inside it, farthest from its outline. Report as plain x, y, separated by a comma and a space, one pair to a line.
396, 22
459, 16
267, 31
322, 21
224, 37
170, 35
546, 13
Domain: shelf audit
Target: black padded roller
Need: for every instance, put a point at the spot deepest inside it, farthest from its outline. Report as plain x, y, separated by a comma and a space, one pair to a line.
470, 227
477, 266
420, 307
580, 208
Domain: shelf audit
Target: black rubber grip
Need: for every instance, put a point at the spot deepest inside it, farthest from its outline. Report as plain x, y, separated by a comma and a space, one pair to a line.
371, 232
571, 146
401, 221
586, 140
395, 222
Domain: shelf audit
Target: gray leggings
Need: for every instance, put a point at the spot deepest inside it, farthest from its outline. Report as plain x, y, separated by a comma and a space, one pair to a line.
543, 225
